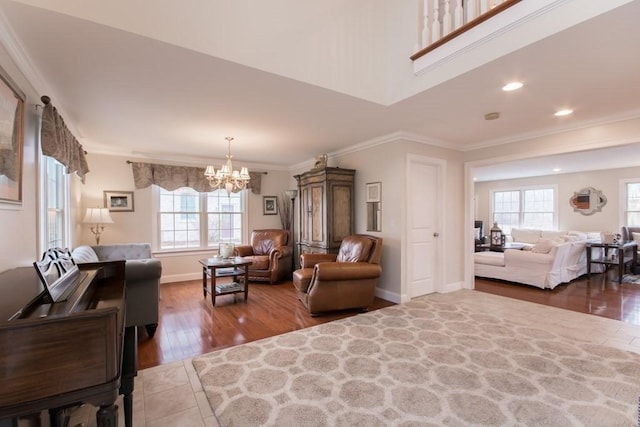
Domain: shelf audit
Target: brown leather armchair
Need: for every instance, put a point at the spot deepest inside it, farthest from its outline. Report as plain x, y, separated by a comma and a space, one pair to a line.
270, 254
327, 282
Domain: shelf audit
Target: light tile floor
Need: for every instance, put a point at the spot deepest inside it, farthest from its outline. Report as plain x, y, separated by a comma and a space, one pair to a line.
171, 395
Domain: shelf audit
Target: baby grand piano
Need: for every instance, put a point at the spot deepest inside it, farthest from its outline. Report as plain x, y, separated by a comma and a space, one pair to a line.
55, 355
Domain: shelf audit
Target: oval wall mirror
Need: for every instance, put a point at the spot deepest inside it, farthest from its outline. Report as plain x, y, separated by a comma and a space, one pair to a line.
588, 201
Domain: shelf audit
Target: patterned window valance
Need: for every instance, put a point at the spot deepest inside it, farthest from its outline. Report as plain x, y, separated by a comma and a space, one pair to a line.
58, 142
172, 177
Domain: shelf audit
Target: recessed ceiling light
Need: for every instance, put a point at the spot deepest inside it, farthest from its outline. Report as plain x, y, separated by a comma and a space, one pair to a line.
557, 169
560, 113
512, 86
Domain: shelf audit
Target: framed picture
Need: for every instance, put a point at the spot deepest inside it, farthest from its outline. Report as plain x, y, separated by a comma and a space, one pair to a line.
269, 205
374, 192
118, 201
11, 140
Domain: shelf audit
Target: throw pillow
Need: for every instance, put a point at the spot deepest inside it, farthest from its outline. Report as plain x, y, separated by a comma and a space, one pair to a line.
83, 254
636, 237
543, 246
477, 231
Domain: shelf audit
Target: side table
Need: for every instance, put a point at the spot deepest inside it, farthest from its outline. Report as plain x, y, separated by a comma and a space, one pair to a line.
236, 268
613, 254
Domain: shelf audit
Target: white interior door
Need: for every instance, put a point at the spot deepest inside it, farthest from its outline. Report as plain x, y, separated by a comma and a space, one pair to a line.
424, 178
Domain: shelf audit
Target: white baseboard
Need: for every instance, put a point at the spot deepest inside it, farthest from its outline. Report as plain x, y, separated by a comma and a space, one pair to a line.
180, 277
388, 295
451, 287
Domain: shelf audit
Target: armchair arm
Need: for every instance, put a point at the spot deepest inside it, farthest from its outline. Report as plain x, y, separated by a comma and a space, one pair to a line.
328, 271
308, 260
244, 250
143, 269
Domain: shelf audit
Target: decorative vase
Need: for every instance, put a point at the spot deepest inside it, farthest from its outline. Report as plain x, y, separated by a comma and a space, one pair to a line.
226, 250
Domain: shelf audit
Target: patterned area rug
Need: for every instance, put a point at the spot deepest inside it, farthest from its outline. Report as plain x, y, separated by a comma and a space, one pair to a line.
438, 360
631, 278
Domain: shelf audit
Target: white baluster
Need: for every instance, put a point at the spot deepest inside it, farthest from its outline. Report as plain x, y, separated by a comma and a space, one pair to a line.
426, 28
446, 18
471, 10
435, 23
484, 6
458, 18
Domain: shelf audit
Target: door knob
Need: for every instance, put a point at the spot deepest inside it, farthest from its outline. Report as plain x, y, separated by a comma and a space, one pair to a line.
436, 234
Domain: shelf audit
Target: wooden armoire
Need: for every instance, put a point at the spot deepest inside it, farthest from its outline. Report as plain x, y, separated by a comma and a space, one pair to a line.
326, 209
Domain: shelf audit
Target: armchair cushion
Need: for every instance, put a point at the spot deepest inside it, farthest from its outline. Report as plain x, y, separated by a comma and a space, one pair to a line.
354, 249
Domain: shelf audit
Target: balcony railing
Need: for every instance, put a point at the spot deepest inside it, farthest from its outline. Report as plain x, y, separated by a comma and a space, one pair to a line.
444, 20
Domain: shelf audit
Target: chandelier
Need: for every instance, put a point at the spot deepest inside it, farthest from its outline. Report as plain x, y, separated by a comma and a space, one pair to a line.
225, 177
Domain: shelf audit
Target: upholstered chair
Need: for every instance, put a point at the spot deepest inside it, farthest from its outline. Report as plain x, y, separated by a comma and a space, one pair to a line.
346, 280
270, 253
632, 233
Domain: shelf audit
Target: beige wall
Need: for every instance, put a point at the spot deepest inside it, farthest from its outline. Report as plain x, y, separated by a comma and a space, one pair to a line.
608, 181
18, 222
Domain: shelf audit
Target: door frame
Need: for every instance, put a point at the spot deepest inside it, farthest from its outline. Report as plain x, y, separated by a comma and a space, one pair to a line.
439, 226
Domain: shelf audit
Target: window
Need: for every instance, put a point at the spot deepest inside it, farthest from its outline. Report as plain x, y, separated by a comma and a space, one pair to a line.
191, 220
525, 208
55, 213
632, 203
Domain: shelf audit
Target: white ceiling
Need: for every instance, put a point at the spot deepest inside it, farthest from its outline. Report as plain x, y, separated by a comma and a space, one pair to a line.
123, 92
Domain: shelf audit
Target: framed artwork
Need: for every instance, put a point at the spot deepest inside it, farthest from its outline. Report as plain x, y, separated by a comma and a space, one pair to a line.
11, 140
374, 192
269, 205
118, 201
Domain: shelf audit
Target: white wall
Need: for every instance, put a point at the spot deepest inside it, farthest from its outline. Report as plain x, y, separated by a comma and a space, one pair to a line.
608, 181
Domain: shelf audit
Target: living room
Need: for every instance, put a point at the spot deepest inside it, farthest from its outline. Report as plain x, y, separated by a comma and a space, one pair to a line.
378, 152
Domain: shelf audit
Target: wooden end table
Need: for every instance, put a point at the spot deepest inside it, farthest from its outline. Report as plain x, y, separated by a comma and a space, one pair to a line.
237, 268
613, 254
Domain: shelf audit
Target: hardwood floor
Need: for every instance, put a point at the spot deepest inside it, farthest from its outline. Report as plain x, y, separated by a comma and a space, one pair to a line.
189, 325
599, 295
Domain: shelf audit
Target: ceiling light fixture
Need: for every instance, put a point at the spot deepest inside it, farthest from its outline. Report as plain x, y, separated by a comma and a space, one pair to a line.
561, 113
225, 177
512, 86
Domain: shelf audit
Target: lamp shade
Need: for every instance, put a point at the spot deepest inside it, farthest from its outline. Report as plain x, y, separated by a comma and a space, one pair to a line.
291, 193
97, 216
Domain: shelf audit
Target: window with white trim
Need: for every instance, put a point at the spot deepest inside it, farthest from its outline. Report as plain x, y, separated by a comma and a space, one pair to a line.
525, 208
632, 203
55, 202
191, 220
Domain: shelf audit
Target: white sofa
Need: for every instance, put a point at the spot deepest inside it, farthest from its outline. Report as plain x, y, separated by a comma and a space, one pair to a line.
548, 259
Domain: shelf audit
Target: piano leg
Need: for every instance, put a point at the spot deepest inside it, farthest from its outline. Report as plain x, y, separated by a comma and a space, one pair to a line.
129, 371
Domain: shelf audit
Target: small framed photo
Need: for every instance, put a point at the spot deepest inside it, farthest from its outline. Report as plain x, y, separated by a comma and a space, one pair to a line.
118, 201
374, 192
269, 205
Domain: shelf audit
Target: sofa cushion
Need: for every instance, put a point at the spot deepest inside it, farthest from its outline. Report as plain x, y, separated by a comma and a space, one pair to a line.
523, 235
124, 251
636, 237
83, 254
490, 258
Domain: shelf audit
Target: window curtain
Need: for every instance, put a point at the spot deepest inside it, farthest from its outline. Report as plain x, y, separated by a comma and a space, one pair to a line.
58, 142
172, 177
